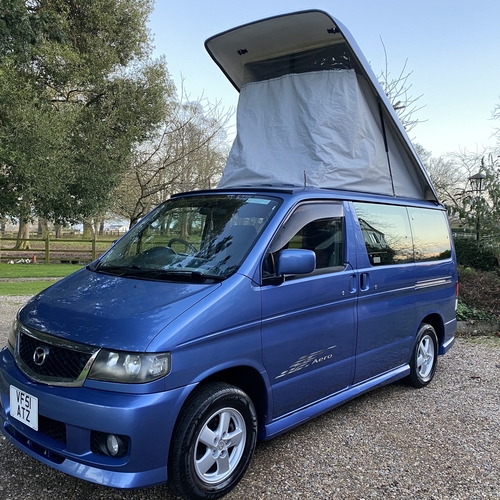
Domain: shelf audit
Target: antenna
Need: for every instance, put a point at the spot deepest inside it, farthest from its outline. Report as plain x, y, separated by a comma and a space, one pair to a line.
305, 179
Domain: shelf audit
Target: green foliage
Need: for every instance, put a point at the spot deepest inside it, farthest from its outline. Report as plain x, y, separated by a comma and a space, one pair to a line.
78, 92
467, 313
479, 292
469, 254
479, 208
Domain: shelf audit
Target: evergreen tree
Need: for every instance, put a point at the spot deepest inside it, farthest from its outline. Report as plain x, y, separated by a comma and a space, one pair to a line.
78, 92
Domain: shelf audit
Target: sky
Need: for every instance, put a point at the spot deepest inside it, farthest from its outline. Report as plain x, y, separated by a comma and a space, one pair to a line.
451, 48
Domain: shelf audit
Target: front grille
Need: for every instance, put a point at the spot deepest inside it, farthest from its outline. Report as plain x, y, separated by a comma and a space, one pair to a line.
59, 362
51, 360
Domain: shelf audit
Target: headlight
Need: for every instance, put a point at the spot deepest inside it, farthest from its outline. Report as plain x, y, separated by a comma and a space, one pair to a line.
129, 368
12, 339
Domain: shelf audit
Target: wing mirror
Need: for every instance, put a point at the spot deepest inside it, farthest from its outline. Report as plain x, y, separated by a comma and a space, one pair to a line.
295, 261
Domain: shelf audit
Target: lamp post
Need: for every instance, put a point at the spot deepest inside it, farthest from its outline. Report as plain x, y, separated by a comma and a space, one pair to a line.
476, 182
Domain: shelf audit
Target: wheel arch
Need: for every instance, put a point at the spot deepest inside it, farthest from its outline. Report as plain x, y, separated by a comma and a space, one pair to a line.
250, 381
246, 378
436, 321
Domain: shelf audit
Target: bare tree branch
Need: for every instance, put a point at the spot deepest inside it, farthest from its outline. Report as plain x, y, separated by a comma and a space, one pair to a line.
398, 91
188, 153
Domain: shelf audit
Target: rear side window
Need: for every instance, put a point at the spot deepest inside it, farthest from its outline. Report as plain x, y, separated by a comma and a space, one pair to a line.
431, 237
386, 232
398, 235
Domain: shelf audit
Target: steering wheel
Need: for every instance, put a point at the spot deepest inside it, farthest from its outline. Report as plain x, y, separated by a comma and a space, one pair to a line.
191, 247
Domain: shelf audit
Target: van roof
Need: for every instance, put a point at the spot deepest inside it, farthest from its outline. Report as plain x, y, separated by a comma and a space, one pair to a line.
306, 41
309, 193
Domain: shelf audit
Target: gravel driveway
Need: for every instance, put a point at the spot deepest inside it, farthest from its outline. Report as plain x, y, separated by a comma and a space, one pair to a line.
440, 442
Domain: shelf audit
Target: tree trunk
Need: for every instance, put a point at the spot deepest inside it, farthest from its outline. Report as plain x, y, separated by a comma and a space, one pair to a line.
59, 230
133, 221
23, 234
43, 228
88, 230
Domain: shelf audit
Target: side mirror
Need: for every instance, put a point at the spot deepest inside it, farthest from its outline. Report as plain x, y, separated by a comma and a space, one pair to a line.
295, 261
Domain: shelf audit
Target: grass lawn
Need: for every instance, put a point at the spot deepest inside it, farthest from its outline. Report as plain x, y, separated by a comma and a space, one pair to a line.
37, 270
31, 271
23, 287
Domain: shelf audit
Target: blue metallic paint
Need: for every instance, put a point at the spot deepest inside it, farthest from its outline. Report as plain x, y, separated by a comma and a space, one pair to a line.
110, 311
233, 325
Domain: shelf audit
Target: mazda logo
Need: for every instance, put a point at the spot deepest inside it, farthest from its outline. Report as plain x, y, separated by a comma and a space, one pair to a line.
40, 355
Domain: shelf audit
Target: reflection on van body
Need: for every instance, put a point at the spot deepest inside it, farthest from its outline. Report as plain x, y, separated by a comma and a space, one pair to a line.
263, 309
395, 234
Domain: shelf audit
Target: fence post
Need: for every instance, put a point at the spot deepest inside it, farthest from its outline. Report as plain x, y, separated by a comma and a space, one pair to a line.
93, 246
47, 249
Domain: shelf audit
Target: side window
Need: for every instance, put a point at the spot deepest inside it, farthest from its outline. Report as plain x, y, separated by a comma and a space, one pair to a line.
314, 226
431, 237
386, 232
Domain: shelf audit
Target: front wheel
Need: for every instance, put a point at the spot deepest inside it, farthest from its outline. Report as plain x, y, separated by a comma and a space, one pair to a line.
213, 442
424, 357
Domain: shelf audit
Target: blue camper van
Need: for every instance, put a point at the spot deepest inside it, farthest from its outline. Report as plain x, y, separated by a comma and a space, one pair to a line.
320, 268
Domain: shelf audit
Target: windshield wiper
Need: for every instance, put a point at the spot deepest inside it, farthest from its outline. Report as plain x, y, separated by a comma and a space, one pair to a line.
183, 275
148, 273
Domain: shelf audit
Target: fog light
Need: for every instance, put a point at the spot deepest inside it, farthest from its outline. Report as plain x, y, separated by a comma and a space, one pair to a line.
115, 445
112, 445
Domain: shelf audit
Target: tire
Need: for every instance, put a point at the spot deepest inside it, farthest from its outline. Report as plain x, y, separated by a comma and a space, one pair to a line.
213, 442
424, 357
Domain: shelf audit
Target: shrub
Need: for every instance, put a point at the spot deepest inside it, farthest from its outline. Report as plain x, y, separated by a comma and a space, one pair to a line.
479, 293
469, 254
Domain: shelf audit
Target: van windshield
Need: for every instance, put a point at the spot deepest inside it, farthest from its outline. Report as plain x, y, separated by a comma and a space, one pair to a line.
196, 238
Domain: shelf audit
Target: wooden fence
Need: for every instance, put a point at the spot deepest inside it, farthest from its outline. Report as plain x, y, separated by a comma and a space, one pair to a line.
51, 250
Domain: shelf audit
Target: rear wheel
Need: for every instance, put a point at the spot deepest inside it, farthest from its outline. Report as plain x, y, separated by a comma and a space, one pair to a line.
424, 357
213, 442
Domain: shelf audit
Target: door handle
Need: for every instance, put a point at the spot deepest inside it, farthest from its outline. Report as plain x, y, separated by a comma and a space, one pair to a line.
364, 282
352, 284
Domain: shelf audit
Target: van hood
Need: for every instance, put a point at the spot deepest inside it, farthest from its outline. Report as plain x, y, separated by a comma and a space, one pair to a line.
110, 311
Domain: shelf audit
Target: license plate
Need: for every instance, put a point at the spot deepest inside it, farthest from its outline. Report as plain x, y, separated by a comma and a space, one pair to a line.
24, 407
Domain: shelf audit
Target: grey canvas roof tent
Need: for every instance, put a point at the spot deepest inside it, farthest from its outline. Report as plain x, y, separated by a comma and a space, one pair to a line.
311, 111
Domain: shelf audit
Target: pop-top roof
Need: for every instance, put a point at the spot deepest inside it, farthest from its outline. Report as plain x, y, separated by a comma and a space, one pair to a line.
309, 42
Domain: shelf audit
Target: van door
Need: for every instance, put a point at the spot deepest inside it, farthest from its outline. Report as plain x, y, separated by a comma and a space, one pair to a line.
309, 321
387, 277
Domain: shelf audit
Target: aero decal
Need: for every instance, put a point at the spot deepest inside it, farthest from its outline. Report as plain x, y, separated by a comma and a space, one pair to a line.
305, 361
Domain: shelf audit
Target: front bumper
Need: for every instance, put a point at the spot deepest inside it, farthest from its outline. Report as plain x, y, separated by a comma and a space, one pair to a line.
70, 419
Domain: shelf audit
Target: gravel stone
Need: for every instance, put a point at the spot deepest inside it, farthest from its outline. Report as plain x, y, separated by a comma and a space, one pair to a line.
437, 443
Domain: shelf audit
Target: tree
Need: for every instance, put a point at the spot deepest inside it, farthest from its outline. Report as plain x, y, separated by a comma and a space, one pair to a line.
480, 205
398, 92
496, 131
449, 174
189, 153
78, 92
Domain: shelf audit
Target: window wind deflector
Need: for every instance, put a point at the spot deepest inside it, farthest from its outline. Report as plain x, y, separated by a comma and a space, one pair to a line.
92, 266
118, 270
